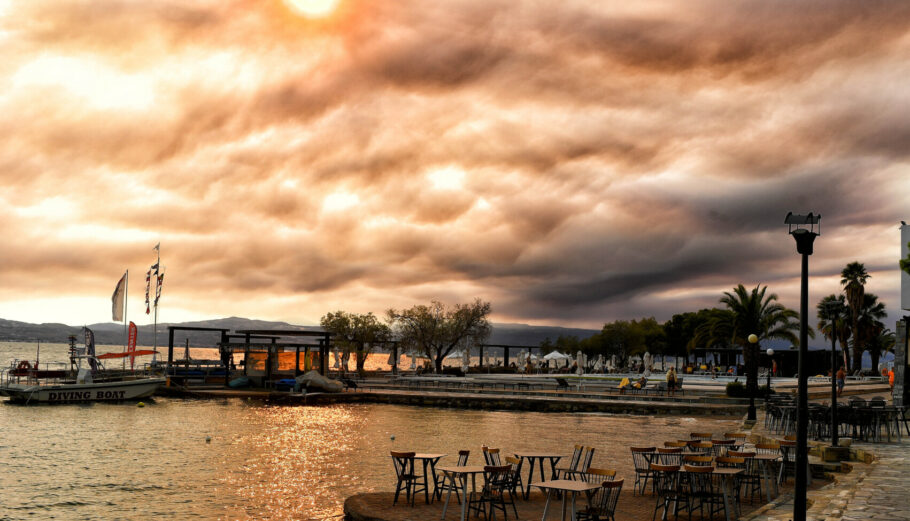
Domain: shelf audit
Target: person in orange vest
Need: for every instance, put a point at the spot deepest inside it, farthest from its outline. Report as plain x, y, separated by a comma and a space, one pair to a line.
891, 380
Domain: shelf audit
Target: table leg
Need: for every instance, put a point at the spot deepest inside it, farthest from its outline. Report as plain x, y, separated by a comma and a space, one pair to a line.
574, 495
464, 498
726, 482
564, 494
445, 505
436, 491
766, 480
546, 506
426, 483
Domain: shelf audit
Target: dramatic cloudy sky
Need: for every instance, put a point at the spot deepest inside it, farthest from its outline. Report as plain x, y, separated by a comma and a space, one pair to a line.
572, 162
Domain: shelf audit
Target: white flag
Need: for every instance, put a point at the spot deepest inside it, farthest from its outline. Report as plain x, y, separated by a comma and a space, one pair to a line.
117, 299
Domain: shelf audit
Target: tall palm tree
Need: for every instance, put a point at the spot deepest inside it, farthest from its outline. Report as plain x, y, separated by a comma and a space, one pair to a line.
854, 278
869, 327
753, 312
833, 315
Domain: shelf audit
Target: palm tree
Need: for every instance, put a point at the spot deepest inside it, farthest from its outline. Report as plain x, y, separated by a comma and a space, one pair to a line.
869, 327
854, 278
833, 315
753, 312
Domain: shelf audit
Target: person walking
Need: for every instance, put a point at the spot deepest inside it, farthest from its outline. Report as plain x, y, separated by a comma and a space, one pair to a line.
671, 381
891, 380
841, 380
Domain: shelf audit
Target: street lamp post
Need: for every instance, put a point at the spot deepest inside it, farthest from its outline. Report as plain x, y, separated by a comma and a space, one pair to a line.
804, 237
770, 353
753, 339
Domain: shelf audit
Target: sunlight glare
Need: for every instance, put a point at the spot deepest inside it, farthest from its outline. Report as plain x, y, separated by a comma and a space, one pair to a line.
312, 8
449, 178
339, 201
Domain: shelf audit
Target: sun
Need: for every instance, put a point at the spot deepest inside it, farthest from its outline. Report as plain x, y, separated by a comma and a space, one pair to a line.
312, 8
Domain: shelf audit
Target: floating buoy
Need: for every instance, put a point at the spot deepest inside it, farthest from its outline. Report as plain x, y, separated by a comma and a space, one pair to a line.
393, 437
208, 439
140, 404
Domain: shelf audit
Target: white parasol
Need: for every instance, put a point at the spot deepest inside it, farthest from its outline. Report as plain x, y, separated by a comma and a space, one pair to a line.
466, 360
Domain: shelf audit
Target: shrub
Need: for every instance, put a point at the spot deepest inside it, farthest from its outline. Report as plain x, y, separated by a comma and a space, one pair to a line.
739, 390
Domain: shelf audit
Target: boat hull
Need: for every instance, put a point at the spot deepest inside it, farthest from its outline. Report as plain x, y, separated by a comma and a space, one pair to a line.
93, 392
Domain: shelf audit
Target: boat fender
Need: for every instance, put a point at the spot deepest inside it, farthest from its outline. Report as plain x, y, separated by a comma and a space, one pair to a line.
24, 365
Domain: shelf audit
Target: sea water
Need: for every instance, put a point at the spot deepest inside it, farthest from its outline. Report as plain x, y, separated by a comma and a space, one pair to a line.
240, 459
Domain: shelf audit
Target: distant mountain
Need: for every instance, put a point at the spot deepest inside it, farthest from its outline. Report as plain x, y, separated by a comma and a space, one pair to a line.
111, 333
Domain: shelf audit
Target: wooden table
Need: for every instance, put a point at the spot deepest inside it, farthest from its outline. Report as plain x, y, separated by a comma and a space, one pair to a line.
725, 474
429, 459
461, 473
565, 485
538, 457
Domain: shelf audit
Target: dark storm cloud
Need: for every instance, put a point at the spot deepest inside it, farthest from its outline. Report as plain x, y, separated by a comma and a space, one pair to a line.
570, 161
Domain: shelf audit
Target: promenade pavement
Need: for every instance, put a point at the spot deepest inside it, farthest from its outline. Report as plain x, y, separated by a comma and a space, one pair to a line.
877, 491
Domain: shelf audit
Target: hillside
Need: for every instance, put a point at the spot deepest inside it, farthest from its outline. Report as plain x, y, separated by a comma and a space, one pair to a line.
113, 333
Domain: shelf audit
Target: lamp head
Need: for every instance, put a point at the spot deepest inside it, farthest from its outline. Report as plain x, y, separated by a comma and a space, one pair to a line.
753, 338
770, 352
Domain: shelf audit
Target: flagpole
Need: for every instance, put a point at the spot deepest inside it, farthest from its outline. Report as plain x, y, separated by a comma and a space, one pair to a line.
126, 299
158, 264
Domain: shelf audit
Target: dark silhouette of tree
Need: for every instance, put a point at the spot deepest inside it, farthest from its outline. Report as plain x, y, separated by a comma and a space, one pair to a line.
747, 313
356, 334
437, 330
833, 322
854, 278
870, 326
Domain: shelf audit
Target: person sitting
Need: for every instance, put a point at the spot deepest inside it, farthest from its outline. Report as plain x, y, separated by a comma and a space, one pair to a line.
641, 383
623, 385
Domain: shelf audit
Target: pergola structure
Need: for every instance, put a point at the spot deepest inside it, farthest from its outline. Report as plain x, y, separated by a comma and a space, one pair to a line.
505, 351
322, 341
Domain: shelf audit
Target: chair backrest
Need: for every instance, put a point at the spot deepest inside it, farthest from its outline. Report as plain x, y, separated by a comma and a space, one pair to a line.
679, 444
593, 475
404, 462
701, 461
790, 437
736, 436
767, 448
463, 457
730, 461
702, 446
514, 462
700, 482
576, 457
588, 456
639, 460
497, 477
666, 478
741, 454
491, 456
603, 501
701, 436
669, 450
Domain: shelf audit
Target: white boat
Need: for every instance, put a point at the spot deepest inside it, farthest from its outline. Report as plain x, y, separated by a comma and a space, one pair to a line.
85, 381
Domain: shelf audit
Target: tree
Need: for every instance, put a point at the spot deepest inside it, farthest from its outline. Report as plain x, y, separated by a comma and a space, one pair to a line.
854, 278
356, 333
869, 327
833, 316
437, 330
623, 339
752, 312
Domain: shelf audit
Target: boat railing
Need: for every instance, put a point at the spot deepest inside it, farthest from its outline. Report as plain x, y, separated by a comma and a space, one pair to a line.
23, 372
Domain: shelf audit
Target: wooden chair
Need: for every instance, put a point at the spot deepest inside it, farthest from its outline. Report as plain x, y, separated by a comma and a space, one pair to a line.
408, 479
602, 504
705, 447
515, 464
721, 447
700, 461
573, 463
450, 484
670, 455
735, 463
703, 491
701, 436
497, 482
584, 463
642, 468
673, 444
491, 456
666, 486
751, 479
593, 475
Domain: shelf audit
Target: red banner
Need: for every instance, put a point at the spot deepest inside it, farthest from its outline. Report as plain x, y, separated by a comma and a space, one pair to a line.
131, 344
